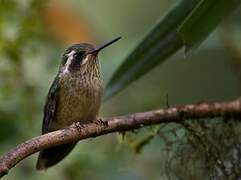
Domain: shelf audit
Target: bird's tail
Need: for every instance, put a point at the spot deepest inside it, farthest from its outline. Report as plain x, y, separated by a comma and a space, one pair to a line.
52, 156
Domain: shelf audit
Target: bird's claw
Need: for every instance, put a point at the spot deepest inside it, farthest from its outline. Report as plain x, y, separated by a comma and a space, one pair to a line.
100, 122
79, 125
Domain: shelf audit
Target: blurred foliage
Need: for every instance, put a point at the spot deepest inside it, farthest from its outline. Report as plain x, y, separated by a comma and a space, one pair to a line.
33, 34
19, 38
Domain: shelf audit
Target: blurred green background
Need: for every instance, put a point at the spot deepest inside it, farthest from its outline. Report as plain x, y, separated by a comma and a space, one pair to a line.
33, 36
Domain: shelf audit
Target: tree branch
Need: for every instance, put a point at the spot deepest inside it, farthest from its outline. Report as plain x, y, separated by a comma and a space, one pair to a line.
231, 109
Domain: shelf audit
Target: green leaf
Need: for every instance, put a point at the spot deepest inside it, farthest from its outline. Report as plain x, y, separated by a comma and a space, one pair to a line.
203, 20
188, 23
160, 43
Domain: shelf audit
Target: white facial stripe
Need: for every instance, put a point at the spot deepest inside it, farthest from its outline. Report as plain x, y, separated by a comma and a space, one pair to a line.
85, 59
71, 53
67, 64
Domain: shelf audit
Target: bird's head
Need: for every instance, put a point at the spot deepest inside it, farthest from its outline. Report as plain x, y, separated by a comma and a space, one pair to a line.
81, 55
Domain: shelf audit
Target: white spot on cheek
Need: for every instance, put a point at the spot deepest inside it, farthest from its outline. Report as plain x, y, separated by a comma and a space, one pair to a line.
85, 60
67, 64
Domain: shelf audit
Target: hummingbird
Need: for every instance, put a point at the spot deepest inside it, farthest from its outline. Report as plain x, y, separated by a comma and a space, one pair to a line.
74, 97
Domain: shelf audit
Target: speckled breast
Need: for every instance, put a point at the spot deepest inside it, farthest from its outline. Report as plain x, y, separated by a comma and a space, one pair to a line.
79, 99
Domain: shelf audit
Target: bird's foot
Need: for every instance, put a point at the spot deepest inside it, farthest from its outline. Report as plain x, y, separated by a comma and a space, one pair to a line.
79, 125
100, 122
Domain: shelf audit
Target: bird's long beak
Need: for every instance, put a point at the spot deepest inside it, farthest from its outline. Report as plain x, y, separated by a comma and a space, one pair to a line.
98, 49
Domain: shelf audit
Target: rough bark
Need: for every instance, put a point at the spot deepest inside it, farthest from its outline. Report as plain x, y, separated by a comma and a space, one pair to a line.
231, 109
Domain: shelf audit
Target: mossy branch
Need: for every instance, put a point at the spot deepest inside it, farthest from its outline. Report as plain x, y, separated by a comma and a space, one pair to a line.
176, 114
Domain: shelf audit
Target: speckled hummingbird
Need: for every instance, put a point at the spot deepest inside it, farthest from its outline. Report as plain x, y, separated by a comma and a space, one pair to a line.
74, 96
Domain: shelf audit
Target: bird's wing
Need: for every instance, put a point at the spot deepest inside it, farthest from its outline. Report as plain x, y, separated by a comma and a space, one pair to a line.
50, 105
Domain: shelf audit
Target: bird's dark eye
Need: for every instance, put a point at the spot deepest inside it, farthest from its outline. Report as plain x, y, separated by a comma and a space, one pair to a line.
78, 55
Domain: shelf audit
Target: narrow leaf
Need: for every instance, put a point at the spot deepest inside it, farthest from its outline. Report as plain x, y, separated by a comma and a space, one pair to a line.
203, 20
160, 43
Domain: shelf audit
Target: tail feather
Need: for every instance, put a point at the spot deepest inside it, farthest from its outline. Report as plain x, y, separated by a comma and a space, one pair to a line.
52, 156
